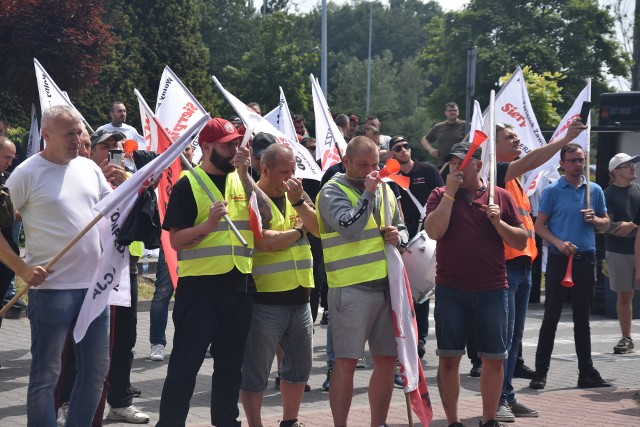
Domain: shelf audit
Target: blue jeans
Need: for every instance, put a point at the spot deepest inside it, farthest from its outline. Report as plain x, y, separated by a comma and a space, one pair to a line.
52, 315
519, 278
159, 311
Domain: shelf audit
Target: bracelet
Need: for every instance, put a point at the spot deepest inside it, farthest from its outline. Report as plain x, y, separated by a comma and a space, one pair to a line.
298, 203
449, 196
299, 230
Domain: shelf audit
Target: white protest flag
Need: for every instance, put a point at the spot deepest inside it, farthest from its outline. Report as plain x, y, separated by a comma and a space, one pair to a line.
549, 170
280, 118
115, 208
406, 329
33, 142
330, 140
177, 108
306, 167
513, 107
50, 93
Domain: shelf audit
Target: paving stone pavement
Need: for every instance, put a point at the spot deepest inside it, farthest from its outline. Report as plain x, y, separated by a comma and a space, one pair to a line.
560, 404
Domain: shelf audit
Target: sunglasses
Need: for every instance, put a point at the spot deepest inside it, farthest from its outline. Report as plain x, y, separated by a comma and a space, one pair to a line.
580, 160
399, 147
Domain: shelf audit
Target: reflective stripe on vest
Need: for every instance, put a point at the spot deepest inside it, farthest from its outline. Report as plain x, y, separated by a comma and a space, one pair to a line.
285, 269
524, 208
349, 261
221, 250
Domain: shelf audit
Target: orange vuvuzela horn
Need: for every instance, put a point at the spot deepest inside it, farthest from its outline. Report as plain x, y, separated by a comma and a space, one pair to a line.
391, 169
478, 138
567, 282
130, 146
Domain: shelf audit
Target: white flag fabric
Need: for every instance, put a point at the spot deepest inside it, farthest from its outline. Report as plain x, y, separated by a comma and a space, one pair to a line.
280, 118
329, 139
115, 208
406, 329
549, 171
513, 107
33, 142
306, 167
49, 92
176, 107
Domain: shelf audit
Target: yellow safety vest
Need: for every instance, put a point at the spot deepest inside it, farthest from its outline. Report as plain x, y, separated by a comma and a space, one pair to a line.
221, 250
286, 269
351, 261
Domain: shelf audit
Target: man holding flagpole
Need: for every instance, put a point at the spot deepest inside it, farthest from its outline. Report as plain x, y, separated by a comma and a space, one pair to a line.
55, 193
214, 295
353, 234
471, 230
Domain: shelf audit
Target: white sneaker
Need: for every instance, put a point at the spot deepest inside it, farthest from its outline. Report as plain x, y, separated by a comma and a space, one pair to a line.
157, 352
62, 414
130, 414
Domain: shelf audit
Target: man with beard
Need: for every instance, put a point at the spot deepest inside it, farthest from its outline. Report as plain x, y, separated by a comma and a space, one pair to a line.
424, 178
214, 294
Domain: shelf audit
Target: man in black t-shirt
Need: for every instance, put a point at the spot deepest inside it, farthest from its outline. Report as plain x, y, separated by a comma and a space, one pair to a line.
424, 178
623, 207
214, 293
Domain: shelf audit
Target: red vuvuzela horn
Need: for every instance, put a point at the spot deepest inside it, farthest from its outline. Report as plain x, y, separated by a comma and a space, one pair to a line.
130, 146
391, 169
478, 138
567, 282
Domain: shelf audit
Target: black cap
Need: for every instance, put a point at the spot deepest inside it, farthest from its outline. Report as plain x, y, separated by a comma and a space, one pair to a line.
102, 135
260, 142
461, 149
396, 139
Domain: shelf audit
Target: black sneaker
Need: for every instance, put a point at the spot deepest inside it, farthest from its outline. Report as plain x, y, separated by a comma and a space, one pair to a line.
134, 391
624, 346
325, 384
592, 379
421, 350
539, 381
523, 371
476, 369
492, 423
324, 320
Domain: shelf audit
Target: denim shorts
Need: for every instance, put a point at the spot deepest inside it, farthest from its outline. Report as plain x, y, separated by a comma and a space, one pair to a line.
456, 310
291, 326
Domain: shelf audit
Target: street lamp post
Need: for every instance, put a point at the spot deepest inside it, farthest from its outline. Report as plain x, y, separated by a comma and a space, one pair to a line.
369, 62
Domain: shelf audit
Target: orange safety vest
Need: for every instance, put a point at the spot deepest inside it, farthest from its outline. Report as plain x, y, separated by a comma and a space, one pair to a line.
524, 209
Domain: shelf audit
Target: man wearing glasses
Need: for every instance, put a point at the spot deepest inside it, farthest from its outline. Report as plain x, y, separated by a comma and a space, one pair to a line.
623, 206
569, 224
446, 133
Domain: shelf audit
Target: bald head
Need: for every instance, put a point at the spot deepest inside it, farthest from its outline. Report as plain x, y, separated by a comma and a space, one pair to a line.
7, 153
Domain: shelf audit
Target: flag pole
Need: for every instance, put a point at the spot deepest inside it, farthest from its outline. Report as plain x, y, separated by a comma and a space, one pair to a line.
491, 145
213, 199
409, 413
50, 264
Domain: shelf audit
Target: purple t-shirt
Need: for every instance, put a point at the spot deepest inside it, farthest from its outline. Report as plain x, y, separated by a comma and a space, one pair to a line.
470, 255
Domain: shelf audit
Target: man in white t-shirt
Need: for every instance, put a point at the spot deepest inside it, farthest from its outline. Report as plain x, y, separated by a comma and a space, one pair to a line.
55, 193
118, 115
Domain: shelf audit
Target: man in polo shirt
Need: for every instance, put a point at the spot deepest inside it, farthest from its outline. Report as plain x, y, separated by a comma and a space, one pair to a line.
569, 224
471, 229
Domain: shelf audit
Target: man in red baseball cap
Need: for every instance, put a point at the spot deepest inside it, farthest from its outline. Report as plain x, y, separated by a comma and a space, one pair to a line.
214, 293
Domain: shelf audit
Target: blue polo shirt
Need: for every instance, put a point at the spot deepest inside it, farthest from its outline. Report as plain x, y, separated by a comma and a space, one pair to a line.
562, 203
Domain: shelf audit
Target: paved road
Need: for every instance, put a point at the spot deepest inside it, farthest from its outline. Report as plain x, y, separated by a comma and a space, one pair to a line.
561, 403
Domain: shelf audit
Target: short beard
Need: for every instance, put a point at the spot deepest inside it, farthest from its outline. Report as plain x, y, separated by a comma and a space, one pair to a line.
221, 163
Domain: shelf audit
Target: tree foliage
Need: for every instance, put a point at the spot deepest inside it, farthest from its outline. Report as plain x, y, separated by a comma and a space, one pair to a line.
282, 55
68, 37
574, 37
